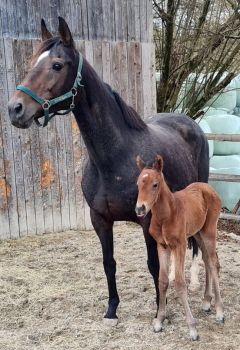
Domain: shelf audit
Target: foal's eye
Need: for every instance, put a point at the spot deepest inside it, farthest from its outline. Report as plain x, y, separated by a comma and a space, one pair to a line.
155, 185
57, 66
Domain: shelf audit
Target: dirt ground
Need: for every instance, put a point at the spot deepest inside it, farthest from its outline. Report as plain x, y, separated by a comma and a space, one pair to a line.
53, 294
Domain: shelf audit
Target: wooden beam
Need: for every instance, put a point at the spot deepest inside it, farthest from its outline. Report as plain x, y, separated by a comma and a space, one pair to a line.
223, 137
224, 177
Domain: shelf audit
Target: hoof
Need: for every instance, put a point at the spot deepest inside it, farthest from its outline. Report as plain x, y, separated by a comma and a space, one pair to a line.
111, 322
157, 326
194, 334
220, 319
206, 308
195, 338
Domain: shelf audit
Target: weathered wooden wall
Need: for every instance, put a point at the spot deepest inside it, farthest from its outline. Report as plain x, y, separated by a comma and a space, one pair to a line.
41, 169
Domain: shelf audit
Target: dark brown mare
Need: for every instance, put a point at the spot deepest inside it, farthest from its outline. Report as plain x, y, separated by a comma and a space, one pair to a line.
176, 217
114, 135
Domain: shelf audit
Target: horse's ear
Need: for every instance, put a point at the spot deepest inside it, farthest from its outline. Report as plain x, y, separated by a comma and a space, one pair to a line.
65, 32
158, 164
44, 31
140, 163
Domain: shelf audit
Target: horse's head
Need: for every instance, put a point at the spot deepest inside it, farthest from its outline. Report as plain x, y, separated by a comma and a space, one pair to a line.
149, 185
53, 73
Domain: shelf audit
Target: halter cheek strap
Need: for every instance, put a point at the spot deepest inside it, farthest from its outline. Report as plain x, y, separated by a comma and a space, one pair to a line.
47, 104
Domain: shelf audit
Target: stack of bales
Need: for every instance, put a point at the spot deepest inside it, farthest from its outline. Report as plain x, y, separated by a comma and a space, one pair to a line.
222, 116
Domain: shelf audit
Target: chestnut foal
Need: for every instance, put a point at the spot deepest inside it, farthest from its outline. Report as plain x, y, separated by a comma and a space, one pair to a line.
175, 217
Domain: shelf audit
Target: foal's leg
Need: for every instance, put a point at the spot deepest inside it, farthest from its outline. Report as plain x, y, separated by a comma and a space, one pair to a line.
164, 257
208, 235
104, 230
181, 288
208, 286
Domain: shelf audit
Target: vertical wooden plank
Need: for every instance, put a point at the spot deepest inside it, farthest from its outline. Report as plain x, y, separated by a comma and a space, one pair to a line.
143, 20
132, 75
84, 20
139, 80
70, 171
44, 173
97, 57
108, 20
148, 79
95, 19
131, 20
89, 51
62, 171
106, 62
137, 19
52, 169
78, 145
75, 14
22, 51
121, 20
115, 66
124, 71
5, 186
149, 21
16, 135
153, 78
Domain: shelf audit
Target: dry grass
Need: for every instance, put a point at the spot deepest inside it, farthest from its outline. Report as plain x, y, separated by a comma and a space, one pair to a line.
53, 295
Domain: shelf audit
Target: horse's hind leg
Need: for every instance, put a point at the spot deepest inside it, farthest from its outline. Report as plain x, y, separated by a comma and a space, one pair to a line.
194, 271
104, 230
164, 257
208, 234
181, 288
208, 286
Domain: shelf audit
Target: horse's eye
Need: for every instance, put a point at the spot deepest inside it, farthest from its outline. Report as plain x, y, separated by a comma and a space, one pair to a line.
155, 185
57, 66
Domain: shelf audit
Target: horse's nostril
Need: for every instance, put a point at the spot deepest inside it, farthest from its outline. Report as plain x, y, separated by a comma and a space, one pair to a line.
18, 108
143, 207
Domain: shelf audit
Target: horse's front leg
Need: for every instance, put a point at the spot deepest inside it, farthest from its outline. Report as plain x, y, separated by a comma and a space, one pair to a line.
104, 230
152, 256
164, 258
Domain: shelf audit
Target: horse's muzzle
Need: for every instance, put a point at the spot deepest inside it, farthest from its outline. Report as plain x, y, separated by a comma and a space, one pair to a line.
141, 211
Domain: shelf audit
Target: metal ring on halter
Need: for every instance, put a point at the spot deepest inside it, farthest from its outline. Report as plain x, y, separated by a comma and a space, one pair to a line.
74, 91
46, 104
72, 106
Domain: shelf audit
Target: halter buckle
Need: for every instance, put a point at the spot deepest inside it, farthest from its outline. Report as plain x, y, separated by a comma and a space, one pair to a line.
46, 105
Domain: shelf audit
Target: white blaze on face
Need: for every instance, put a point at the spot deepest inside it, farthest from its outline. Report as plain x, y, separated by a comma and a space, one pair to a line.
145, 175
42, 56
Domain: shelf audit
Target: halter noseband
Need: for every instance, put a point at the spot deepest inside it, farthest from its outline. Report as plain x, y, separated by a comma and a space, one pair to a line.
46, 104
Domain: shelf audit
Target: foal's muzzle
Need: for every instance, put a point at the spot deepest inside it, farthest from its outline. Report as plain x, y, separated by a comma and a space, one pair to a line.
141, 211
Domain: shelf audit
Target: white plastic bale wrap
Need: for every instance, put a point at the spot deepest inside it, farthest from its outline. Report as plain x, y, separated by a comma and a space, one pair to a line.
228, 191
226, 99
224, 124
215, 111
237, 84
206, 129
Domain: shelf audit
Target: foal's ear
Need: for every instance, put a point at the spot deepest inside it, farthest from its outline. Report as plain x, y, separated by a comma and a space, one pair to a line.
44, 31
140, 163
65, 32
158, 164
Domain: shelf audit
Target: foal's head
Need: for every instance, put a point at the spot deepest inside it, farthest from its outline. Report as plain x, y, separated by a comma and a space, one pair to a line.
52, 73
149, 185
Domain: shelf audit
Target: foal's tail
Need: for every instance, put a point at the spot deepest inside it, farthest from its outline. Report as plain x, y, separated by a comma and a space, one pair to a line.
192, 244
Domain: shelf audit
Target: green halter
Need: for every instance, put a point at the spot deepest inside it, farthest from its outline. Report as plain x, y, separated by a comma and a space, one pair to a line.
46, 104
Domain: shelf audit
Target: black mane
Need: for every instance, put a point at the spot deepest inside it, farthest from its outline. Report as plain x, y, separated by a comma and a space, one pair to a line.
131, 117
